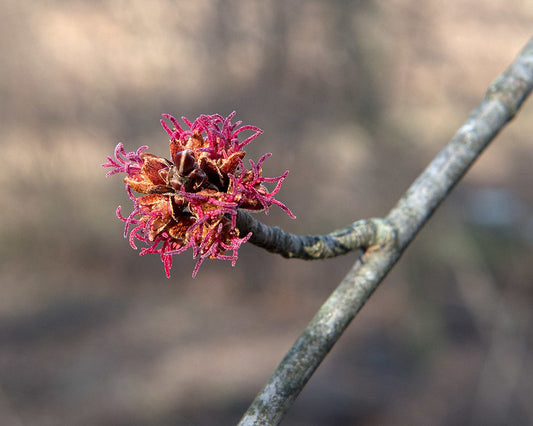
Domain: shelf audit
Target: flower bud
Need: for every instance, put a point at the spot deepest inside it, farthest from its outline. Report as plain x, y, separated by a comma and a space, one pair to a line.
192, 202
184, 161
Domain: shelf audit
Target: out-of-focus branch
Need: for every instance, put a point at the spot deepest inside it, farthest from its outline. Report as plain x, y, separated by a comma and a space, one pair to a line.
502, 100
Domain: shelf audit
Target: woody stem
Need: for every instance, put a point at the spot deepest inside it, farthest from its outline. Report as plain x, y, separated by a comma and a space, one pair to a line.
502, 100
358, 235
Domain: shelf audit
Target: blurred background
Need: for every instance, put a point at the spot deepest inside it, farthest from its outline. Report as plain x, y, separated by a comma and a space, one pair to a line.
355, 98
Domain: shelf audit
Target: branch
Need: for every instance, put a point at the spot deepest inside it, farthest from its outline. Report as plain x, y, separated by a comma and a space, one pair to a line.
502, 101
362, 234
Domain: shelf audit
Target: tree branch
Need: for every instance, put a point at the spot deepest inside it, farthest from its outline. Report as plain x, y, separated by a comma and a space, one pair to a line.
362, 234
502, 100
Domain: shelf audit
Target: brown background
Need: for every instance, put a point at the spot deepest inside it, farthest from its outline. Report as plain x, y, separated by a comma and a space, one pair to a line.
355, 98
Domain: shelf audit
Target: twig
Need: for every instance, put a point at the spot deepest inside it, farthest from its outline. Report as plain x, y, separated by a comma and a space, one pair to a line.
502, 100
362, 234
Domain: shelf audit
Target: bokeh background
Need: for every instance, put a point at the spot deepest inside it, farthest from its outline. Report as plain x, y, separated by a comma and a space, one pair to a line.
355, 98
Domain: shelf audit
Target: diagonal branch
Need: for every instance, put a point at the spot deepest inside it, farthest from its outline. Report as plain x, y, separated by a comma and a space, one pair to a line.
502, 101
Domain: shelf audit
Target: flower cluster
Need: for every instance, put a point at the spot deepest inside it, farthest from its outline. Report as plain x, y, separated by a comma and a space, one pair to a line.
191, 200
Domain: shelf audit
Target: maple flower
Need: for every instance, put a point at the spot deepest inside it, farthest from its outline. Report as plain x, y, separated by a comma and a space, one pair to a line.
191, 200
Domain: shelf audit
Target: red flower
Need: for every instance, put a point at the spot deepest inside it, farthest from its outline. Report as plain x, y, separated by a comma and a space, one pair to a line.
191, 201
